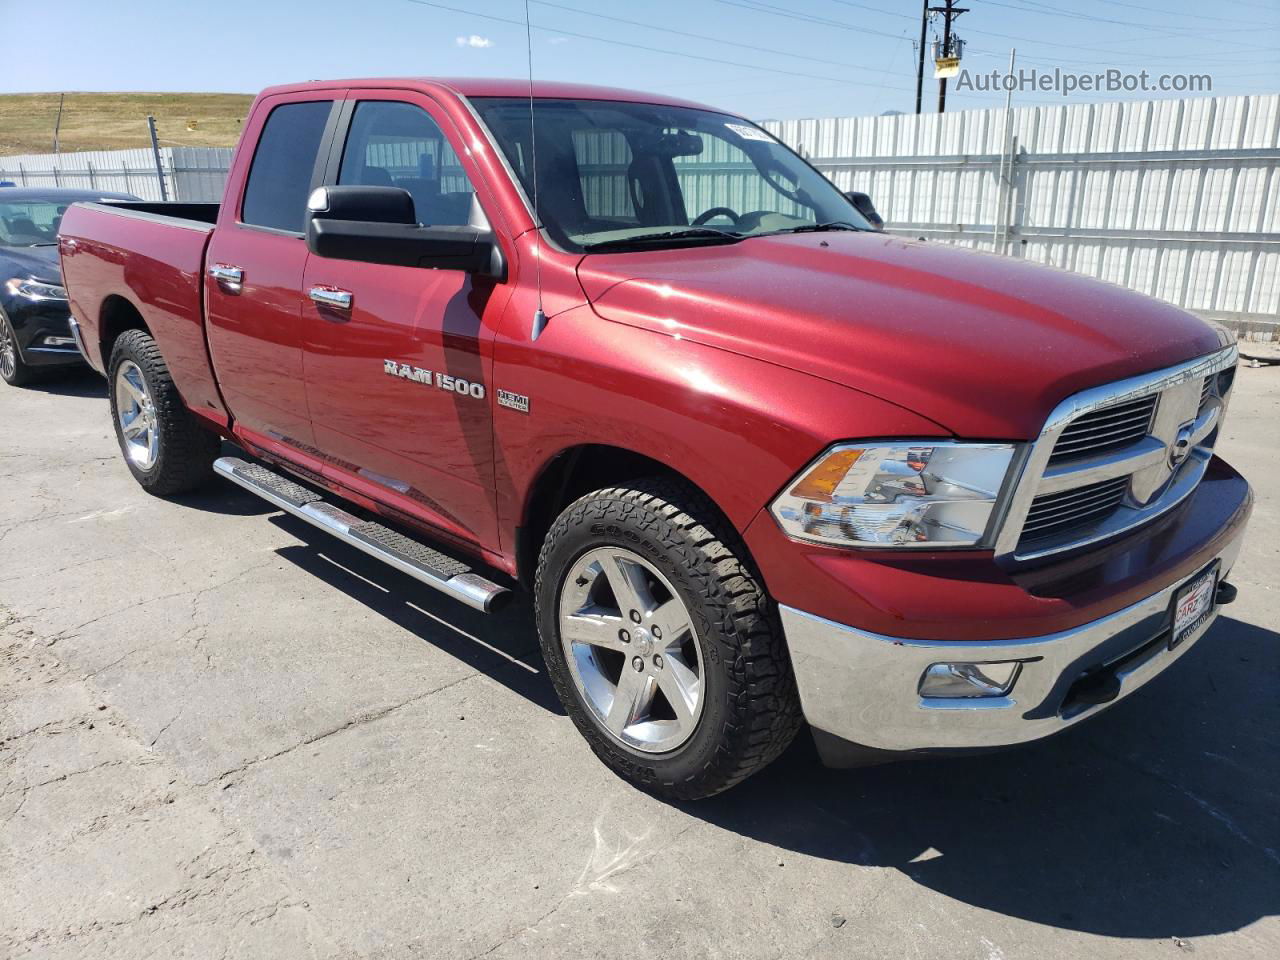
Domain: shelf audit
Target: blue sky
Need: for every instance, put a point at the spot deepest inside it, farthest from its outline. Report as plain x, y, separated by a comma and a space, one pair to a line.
763, 58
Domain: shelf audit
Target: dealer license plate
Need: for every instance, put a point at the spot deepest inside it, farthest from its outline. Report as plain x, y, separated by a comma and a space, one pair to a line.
1193, 605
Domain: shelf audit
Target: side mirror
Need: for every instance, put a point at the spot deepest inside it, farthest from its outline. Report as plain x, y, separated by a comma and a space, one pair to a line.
380, 225
362, 204
862, 203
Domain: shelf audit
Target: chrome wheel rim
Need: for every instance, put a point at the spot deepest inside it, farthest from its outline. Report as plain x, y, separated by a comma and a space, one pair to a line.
136, 415
8, 350
632, 650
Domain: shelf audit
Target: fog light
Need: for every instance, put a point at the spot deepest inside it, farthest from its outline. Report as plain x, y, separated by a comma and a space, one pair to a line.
59, 342
958, 680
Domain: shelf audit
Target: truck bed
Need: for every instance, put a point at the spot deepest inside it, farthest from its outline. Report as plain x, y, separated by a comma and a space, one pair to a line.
123, 258
200, 213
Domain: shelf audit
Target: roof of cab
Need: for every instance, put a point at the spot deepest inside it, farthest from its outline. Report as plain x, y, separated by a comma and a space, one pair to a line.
495, 87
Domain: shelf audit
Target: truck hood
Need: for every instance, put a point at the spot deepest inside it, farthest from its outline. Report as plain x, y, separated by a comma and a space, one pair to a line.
983, 345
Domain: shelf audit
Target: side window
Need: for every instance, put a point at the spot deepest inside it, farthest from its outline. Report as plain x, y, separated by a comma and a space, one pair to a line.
280, 177
393, 144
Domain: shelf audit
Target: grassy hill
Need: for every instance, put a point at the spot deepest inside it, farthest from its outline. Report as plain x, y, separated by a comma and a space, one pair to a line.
114, 121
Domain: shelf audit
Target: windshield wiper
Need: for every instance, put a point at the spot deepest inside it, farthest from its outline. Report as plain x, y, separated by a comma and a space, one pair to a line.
821, 227
666, 236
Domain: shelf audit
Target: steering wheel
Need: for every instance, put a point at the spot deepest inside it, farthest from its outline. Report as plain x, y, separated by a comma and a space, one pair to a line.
714, 212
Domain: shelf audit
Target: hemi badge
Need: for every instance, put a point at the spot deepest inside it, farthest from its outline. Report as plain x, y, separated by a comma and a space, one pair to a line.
513, 401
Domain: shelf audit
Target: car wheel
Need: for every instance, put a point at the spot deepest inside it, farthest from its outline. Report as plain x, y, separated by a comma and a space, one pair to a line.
13, 369
661, 642
166, 450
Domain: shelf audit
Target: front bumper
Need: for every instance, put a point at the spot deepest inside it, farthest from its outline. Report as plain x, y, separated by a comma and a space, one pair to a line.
859, 689
47, 335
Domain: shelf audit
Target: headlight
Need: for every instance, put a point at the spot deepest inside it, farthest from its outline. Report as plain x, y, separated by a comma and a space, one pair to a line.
926, 494
35, 289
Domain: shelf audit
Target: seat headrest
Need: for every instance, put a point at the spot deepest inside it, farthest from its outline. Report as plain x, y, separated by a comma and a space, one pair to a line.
371, 176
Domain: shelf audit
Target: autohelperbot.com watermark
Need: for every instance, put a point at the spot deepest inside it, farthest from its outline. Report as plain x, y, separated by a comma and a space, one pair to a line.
1066, 82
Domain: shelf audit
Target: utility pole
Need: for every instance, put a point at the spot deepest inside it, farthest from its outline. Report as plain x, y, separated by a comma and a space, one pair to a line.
1004, 185
924, 38
58, 123
155, 152
949, 13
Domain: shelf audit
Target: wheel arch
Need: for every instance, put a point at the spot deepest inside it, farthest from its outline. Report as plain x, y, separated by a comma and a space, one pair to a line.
573, 472
116, 315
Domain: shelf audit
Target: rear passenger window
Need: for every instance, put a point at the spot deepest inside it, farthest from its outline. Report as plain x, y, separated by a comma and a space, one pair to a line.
394, 144
280, 177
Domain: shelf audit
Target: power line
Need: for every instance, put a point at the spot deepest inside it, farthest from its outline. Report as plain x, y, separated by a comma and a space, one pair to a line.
1115, 3
1178, 59
863, 6
1257, 6
1075, 46
635, 46
703, 36
1031, 6
880, 91
1170, 13
767, 8
760, 7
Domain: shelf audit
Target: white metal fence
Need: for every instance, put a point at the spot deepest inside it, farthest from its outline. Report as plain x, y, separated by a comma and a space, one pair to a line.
1179, 199
190, 173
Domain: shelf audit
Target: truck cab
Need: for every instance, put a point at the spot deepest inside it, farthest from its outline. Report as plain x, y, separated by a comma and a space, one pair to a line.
759, 463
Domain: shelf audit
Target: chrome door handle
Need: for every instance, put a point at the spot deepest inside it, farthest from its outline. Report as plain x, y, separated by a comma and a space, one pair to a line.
229, 278
331, 297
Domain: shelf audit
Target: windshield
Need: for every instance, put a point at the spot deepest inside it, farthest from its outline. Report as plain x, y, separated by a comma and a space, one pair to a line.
30, 223
615, 176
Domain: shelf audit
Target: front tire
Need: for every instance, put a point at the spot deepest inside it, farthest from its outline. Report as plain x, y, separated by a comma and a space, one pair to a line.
166, 450
13, 369
661, 642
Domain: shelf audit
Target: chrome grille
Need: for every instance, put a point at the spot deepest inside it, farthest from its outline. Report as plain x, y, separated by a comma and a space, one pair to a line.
1103, 463
1058, 514
1110, 428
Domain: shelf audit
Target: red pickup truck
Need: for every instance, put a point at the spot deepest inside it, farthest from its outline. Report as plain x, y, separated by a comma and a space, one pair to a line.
758, 463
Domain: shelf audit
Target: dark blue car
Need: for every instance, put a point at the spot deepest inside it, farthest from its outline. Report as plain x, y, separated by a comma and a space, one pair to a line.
35, 329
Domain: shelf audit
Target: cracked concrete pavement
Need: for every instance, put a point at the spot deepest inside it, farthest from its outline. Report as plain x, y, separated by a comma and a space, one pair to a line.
223, 734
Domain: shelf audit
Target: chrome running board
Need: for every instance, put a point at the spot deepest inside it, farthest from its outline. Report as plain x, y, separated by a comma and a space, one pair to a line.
428, 566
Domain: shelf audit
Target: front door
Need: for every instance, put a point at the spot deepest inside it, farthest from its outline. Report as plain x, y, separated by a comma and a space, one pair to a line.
255, 263
397, 381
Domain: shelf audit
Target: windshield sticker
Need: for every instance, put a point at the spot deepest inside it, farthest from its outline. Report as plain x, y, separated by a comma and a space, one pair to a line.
749, 133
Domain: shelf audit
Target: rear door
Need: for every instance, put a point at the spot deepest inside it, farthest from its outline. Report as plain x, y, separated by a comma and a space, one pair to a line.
254, 268
397, 383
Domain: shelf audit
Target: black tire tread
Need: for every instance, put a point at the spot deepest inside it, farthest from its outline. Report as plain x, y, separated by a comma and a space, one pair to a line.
23, 373
765, 713
187, 450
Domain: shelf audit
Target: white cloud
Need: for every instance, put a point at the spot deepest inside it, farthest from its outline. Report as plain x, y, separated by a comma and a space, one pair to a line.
475, 40
558, 40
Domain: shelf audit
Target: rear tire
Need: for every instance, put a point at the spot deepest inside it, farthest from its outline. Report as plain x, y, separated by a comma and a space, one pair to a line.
671, 555
166, 450
13, 369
